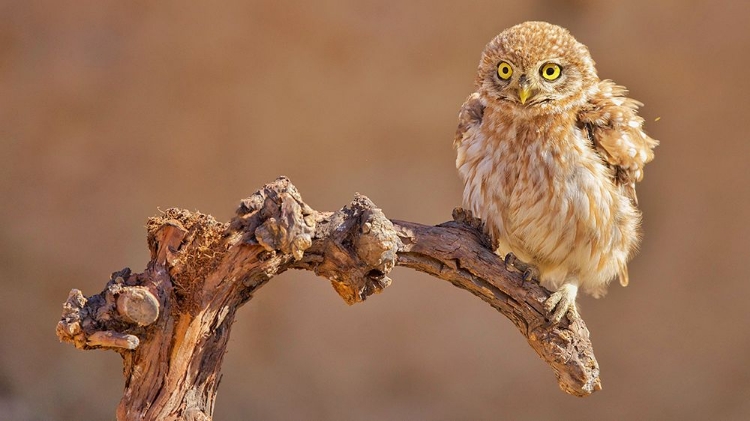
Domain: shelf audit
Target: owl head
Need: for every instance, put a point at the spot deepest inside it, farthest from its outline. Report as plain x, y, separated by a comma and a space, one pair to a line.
536, 67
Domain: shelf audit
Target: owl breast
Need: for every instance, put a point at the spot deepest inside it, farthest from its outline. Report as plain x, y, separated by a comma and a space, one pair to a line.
546, 196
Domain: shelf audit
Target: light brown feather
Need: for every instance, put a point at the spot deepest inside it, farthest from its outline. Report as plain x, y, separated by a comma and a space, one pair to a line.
616, 131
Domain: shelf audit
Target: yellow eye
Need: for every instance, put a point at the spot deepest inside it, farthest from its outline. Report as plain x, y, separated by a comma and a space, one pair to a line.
504, 71
551, 71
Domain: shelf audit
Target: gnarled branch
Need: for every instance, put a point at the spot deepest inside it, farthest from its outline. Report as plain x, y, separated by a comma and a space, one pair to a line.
171, 323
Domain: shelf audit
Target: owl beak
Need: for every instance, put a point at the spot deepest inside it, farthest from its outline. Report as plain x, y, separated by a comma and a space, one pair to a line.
524, 92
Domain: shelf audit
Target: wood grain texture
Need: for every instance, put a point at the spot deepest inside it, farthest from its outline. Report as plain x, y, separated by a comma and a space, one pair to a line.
201, 271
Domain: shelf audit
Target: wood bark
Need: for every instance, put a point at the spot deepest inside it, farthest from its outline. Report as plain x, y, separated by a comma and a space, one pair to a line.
171, 323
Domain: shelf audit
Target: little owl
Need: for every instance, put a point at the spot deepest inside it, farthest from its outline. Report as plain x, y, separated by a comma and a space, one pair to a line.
549, 155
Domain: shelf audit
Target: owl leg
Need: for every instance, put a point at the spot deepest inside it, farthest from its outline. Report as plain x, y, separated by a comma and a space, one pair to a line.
563, 302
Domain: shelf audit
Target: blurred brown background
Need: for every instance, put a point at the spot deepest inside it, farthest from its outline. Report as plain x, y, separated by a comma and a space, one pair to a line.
110, 111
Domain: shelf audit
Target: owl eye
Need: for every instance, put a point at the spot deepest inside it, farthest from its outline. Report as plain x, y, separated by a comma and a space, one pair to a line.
550, 71
504, 71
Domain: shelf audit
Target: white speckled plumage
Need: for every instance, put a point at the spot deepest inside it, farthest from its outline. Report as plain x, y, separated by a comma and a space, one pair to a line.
553, 177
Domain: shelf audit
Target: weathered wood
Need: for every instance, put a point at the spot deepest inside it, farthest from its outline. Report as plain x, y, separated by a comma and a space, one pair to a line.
171, 323
458, 252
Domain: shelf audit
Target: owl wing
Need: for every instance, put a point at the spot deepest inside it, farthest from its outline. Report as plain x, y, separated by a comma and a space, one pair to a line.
611, 121
469, 118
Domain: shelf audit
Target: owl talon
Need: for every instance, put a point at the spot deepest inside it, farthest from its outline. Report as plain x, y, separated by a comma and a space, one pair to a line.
561, 303
510, 261
530, 274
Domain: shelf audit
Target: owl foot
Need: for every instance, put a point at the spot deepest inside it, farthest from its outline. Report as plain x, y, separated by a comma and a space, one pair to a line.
530, 272
561, 303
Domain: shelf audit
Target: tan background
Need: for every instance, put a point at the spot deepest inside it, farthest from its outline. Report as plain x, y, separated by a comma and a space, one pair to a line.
111, 110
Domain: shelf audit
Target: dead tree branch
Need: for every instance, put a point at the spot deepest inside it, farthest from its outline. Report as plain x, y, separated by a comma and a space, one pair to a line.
171, 323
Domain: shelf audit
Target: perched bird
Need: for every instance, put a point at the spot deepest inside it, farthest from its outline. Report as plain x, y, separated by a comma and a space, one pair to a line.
549, 155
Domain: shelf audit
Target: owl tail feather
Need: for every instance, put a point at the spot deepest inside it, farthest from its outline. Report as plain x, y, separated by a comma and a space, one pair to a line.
623, 275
